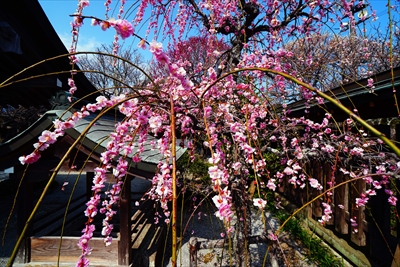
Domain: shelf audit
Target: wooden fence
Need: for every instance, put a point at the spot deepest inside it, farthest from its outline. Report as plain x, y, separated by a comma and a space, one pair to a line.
371, 229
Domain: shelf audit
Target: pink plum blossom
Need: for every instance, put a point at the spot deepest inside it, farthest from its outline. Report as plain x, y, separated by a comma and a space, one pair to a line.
327, 213
272, 237
314, 183
83, 3
142, 44
82, 262
155, 47
392, 200
123, 27
362, 201
288, 171
271, 184
105, 25
31, 158
48, 137
259, 203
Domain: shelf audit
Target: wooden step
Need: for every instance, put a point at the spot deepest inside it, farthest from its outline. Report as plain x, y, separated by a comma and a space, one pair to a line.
54, 264
137, 218
141, 221
141, 236
149, 250
155, 250
45, 249
145, 208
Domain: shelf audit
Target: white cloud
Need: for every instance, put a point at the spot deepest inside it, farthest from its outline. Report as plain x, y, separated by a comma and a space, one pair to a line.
84, 44
66, 39
88, 44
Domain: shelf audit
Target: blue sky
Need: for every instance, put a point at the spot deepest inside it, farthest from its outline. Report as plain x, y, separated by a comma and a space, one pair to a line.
58, 12
90, 37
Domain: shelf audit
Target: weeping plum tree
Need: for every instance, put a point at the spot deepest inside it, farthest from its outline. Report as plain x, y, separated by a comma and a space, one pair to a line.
196, 54
237, 106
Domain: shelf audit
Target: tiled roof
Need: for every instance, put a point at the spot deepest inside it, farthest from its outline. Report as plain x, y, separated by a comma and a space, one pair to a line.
95, 140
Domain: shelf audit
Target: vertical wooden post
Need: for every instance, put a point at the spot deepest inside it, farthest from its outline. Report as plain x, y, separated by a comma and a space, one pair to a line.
307, 194
89, 183
359, 237
330, 199
341, 198
317, 205
124, 245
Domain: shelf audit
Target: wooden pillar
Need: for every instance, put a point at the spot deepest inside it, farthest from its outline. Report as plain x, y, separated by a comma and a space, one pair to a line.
89, 183
124, 245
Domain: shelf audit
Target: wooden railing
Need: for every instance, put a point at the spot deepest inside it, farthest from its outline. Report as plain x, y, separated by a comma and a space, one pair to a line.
148, 238
371, 229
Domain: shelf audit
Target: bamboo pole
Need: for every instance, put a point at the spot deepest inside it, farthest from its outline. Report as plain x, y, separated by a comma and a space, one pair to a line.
174, 193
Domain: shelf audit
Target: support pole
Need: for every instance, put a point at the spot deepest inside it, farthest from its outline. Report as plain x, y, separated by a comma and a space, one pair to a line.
124, 245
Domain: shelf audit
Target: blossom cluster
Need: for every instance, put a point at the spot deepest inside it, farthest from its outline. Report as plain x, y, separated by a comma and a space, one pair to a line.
50, 137
122, 27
